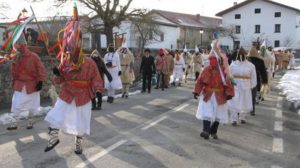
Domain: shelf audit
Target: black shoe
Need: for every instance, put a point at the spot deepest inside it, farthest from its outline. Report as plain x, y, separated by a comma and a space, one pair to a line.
12, 127
243, 121
78, 145
252, 113
204, 135
234, 123
29, 125
50, 147
112, 100
123, 95
214, 136
173, 84
126, 96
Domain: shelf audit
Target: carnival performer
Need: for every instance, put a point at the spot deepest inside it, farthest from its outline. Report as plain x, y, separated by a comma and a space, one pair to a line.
147, 69
161, 65
170, 62
197, 62
261, 73
292, 60
95, 55
112, 62
179, 69
269, 60
79, 81
127, 62
210, 86
27, 73
244, 75
187, 60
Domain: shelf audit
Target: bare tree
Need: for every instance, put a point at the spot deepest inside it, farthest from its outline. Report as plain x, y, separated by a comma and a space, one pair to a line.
228, 32
111, 12
148, 31
288, 41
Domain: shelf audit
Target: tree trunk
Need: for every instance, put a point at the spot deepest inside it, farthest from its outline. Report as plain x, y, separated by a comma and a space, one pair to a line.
109, 35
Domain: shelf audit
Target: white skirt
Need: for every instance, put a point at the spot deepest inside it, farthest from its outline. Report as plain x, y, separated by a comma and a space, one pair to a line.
69, 118
178, 72
242, 100
116, 83
21, 102
211, 111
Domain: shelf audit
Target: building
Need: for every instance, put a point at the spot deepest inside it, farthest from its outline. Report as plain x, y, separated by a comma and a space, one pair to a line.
176, 31
276, 23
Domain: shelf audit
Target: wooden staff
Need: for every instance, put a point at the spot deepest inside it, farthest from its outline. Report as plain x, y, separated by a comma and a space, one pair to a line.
41, 32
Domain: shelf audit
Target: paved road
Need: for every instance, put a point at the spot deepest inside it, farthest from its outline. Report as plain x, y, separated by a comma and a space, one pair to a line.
160, 130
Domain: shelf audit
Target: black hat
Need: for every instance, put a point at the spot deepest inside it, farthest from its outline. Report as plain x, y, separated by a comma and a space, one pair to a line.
147, 50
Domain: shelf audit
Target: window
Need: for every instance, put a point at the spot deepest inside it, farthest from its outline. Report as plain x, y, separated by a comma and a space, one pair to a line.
236, 44
257, 28
276, 43
277, 14
237, 16
237, 29
162, 37
257, 10
277, 28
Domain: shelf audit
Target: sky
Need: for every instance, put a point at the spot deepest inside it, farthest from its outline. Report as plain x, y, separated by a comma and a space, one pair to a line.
202, 7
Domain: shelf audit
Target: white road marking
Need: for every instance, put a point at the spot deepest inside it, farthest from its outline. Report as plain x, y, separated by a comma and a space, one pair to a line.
27, 139
278, 113
101, 154
275, 166
278, 145
164, 117
181, 107
278, 126
154, 123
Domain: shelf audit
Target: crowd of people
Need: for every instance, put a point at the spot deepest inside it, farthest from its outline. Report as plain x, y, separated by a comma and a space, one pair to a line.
227, 88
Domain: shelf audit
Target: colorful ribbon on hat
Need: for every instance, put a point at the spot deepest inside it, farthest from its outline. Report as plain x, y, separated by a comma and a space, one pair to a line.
15, 29
69, 41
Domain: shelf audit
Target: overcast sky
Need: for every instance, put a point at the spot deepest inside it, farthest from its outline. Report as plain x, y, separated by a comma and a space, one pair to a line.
203, 7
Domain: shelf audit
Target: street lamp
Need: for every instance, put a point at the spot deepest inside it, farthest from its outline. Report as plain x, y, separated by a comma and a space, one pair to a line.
201, 33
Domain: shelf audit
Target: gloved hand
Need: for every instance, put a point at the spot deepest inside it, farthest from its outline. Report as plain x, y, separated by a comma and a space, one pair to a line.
196, 95
98, 94
39, 86
183, 69
56, 71
120, 73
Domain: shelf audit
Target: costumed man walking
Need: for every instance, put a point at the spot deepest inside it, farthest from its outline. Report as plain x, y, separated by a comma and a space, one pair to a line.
126, 61
244, 75
197, 63
269, 60
179, 69
102, 70
187, 60
28, 75
292, 60
261, 73
210, 86
112, 62
147, 68
79, 81
170, 62
161, 65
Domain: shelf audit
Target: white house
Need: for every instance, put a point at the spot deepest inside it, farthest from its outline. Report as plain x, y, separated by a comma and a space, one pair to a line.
276, 23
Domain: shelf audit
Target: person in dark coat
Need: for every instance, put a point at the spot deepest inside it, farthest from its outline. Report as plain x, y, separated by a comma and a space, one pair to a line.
147, 69
261, 72
102, 70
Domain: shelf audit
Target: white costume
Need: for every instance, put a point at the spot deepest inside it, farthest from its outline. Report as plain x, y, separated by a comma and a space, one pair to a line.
178, 70
22, 102
116, 83
292, 60
244, 74
71, 119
